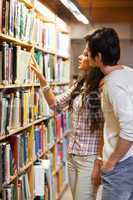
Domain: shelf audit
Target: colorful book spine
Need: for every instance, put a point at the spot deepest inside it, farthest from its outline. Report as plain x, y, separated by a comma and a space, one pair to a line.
40, 142
23, 187
7, 166
9, 192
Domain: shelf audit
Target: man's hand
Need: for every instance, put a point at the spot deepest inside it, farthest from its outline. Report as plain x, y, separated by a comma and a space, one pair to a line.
96, 173
108, 166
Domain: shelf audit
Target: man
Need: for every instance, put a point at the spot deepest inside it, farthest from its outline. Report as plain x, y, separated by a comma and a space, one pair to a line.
117, 103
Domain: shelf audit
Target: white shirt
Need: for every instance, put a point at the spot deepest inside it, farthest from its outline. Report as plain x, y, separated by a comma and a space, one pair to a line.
117, 104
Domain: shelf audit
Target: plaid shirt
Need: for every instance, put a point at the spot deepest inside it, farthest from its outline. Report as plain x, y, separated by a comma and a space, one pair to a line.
81, 140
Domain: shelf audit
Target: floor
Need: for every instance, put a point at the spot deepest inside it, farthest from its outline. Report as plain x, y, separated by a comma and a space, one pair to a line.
68, 196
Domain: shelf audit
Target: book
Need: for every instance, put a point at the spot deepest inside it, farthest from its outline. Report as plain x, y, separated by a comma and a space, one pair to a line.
4, 17
9, 192
23, 74
23, 188
0, 66
1, 6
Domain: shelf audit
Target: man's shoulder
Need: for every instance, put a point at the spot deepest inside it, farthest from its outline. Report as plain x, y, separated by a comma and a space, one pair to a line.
119, 76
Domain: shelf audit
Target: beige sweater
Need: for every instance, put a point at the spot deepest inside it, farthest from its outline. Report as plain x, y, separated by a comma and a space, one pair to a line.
117, 104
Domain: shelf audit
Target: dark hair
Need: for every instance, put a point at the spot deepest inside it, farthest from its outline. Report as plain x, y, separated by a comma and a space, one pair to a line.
90, 94
106, 42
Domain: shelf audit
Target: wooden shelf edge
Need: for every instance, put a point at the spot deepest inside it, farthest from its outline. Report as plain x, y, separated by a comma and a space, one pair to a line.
59, 83
63, 56
45, 50
17, 86
28, 4
15, 40
14, 131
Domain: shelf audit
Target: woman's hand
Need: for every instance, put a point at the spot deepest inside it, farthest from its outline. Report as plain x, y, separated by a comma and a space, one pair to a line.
96, 173
34, 67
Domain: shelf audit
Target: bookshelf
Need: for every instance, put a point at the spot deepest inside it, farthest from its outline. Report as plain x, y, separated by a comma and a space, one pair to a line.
29, 137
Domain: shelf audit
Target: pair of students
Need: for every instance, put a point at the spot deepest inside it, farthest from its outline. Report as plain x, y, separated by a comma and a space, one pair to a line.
86, 163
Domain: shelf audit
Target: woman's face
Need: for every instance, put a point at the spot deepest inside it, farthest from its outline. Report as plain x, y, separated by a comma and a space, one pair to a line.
85, 60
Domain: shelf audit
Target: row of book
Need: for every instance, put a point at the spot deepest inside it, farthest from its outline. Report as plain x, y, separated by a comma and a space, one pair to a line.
52, 68
10, 192
45, 36
55, 183
18, 21
45, 184
62, 124
40, 107
16, 152
63, 42
16, 109
14, 66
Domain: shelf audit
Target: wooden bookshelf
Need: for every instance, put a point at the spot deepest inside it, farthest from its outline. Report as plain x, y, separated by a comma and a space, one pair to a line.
18, 86
28, 4
63, 56
4, 37
59, 84
50, 148
14, 131
45, 50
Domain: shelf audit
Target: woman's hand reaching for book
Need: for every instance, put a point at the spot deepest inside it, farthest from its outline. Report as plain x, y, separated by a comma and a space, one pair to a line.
34, 67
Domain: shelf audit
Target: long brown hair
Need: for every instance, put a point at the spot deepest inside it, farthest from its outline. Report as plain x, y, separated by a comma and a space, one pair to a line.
88, 86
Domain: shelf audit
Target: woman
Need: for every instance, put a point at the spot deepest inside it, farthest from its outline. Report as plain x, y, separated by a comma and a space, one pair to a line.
84, 149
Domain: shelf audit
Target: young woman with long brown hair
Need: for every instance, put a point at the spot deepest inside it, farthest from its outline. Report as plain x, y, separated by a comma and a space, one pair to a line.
84, 149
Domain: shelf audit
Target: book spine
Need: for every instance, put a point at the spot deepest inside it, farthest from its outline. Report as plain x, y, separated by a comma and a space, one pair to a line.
4, 17
11, 18
1, 7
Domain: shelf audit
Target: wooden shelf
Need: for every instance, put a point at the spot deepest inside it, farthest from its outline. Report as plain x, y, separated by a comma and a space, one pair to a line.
45, 50
59, 83
28, 4
40, 48
51, 148
2, 86
18, 86
22, 170
12, 178
63, 56
14, 131
4, 37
